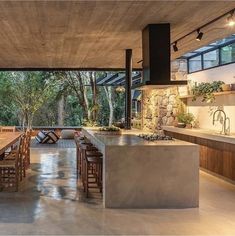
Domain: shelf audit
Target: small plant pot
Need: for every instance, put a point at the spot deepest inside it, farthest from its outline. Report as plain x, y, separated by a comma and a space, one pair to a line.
226, 87
188, 126
233, 87
181, 125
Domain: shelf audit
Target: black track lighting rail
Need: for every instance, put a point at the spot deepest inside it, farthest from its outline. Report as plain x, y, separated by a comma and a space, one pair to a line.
205, 25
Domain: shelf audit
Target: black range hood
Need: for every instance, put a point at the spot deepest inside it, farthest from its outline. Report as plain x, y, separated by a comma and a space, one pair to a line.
156, 50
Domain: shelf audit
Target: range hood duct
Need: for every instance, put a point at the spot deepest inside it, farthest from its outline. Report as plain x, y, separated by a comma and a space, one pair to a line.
156, 50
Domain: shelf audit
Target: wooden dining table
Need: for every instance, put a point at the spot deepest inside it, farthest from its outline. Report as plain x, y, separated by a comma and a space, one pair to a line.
7, 139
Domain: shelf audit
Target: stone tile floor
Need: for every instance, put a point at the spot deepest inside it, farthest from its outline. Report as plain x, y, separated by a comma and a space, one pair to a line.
50, 203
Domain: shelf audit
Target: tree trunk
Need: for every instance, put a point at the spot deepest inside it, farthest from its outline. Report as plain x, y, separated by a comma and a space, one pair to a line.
23, 120
61, 111
81, 94
108, 92
29, 119
87, 104
92, 78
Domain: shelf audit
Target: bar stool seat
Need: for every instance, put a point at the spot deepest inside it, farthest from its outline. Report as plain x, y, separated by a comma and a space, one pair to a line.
94, 165
94, 159
80, 142
94, 154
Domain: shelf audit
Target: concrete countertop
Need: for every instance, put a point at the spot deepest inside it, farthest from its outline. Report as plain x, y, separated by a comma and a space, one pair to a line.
129, 138
202, 133
147, 174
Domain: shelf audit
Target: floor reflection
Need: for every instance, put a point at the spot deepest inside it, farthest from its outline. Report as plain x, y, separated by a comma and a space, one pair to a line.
50, 202
55, 175
52, 175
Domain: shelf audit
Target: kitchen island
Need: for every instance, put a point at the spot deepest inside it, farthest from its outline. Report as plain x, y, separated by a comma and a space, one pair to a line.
146, 174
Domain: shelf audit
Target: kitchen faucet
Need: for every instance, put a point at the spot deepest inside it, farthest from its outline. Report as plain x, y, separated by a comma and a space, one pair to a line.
225, 130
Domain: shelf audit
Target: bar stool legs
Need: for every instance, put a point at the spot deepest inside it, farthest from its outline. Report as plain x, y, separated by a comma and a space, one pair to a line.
91, 172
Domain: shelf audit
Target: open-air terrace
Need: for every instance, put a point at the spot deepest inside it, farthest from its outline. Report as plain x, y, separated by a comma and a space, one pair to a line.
117, 118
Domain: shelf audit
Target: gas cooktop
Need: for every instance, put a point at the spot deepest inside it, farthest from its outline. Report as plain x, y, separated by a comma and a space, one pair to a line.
155, 137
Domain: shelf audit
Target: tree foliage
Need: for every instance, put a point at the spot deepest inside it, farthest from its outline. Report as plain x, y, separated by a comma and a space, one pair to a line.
69, 98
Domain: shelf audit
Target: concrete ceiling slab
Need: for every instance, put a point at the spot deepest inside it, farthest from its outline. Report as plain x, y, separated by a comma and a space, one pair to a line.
94, 34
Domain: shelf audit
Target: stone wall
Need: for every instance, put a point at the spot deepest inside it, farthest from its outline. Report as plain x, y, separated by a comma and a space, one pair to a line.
160, 107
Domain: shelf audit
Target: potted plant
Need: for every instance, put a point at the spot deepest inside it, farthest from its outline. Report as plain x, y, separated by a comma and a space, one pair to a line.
185, 120
206, 91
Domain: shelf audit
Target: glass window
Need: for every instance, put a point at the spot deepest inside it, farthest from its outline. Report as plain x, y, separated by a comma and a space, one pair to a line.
225, 40
228, 54
189, 54
211, 59
195, 64
204, 48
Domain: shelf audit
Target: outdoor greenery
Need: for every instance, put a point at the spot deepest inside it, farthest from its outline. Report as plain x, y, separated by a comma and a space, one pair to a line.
65, 98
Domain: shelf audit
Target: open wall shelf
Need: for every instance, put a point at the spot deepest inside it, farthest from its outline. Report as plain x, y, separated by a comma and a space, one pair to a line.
216, 94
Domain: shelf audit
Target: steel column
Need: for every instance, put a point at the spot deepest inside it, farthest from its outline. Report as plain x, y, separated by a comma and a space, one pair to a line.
128, 88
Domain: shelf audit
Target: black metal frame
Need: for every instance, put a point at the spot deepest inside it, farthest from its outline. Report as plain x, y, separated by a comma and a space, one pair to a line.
214, 48
205, 25
128, 102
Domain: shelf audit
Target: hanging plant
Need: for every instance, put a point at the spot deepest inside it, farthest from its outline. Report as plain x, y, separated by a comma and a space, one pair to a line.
206, 91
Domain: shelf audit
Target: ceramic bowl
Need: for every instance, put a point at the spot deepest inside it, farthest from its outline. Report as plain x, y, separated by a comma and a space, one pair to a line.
181, 125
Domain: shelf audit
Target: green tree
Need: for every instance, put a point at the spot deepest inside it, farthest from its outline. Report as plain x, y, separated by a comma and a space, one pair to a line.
57, 98
8, 110
29, 92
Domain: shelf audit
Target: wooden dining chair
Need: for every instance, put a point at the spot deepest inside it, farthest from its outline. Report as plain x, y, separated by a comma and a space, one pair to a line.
10, 168
8, 129
27, 150
26, 153
25, 156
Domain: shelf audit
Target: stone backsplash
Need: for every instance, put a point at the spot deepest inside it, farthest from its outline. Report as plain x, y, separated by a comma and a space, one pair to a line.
160, 107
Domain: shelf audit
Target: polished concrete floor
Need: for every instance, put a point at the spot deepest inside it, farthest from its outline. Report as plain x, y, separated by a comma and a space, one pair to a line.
49, 203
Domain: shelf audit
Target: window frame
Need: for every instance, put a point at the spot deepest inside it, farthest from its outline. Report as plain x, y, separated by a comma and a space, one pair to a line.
201, 58
219, 57
219, 48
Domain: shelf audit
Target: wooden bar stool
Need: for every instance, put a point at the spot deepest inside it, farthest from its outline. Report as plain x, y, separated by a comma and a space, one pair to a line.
97, 169
86, 146
79, 156
92, 168
78, 140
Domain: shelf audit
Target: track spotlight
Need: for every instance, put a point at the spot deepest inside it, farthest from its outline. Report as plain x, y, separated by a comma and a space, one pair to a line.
230, 22
231, 19
199, 35
175, 48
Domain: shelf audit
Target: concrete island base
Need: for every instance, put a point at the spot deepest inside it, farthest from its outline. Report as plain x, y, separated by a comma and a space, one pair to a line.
143, 174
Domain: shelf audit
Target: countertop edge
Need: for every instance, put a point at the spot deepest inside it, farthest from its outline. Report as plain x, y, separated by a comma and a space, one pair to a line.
180, 143
200, 134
